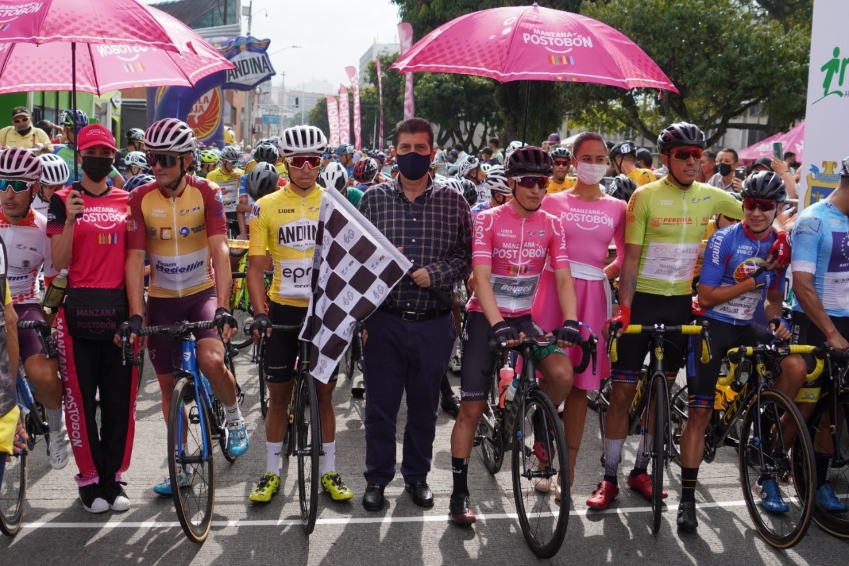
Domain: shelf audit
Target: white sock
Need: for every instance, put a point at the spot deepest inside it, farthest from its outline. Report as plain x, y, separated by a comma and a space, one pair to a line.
328, 462
56, 419
272, 456
232, 413
612, 455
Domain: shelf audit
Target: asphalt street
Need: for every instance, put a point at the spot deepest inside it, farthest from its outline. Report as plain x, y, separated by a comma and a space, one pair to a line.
58, 531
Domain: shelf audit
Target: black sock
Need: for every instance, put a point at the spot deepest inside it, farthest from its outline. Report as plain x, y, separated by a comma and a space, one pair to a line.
637, 471
460, 472
445, 387
688, 484
822, 461
612, 479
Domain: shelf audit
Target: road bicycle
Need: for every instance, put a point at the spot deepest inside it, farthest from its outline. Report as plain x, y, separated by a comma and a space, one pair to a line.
303, 435
196, 418
769, 434
649, 410
533, 430
34, 417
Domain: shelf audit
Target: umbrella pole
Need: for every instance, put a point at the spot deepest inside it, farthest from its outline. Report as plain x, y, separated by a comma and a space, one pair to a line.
74, 105
527, 104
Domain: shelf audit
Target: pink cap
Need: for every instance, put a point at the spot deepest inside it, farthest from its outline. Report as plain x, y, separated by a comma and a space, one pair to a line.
95, 135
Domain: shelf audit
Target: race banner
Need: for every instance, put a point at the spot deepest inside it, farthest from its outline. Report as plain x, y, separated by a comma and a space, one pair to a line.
827, 115
354, 269
355, 85
405, 33
379, 142
333, 119
344, 118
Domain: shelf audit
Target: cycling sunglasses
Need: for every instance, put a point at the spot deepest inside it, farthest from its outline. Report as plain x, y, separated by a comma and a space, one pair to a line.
299, 161
686, 153
561, 162
531, 182
16, 186
163, 159
764, 205
20, 120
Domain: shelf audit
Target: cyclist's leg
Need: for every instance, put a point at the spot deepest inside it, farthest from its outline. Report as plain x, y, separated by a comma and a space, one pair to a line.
331, 481
559, 375
43, 373
210, 353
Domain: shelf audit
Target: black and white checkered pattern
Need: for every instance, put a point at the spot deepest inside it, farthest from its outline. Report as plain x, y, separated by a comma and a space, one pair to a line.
354, 268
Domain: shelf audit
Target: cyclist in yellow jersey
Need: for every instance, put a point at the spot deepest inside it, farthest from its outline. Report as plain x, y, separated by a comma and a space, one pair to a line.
623, 161
562, 162
664, 225
284, 224
227, 177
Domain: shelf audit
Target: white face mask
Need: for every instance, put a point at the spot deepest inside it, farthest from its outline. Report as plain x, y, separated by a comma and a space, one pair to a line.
591, 174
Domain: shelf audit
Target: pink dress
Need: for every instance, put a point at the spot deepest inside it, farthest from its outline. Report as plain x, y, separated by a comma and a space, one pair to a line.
589, 228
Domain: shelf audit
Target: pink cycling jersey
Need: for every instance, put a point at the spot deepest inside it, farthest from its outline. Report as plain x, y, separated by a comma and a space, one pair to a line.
27, 248
516, 248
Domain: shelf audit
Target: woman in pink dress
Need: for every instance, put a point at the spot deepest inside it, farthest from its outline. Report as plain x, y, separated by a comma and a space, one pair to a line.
590, 221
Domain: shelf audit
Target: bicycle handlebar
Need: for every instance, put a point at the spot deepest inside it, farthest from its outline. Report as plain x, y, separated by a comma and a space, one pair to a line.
244, 274
661, 329
177, 330
589, 347
780, 350
43, 332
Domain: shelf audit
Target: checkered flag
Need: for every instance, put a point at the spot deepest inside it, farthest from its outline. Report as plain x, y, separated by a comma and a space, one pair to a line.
354, 268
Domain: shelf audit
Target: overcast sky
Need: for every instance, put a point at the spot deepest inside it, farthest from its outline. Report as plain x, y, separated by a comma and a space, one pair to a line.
333, 34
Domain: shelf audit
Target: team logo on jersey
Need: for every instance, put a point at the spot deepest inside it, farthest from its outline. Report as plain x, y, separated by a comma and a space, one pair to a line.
747, 268
184, 212
151, 232
108, 238
656, 222
184, 231
298, 235
165, 234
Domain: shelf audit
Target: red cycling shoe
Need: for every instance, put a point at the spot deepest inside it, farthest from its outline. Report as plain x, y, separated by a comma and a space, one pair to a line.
603, 495
642, 483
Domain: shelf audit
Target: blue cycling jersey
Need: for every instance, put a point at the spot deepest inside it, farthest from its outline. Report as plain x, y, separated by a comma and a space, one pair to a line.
820, 243
731, 256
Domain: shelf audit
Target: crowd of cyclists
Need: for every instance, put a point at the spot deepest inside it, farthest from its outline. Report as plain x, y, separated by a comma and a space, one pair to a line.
561, 236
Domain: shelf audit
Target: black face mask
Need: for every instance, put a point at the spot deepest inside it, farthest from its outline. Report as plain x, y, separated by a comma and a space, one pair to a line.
724, 169
413, 166
96, 168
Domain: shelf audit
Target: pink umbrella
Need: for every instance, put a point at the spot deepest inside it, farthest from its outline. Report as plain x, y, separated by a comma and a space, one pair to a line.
535, 44
793, 140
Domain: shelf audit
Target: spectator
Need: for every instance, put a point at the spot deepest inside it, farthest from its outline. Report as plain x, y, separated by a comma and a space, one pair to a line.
23, 134
411, 335
487, 156
707, 166
780, 167
48, 128
496, 151
644, 159
728, 161
461, 152
553, 140
623, 161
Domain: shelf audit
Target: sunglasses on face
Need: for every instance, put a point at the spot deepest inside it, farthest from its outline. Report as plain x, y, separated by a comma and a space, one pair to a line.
16, 186
299, 161
764, 205
687, 153
561, 163
20, 120
163, 159
531, 182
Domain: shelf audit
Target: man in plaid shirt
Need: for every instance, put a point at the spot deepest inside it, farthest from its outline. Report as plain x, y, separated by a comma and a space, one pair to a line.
411, 335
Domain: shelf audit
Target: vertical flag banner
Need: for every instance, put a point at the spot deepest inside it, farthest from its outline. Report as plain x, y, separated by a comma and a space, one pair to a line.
405, 33
354, 269
827, 114
333, 119
355, 85
344, 118
379, 142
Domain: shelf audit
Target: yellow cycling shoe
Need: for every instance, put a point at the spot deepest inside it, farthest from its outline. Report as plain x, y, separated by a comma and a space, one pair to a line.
333, 484
268, 485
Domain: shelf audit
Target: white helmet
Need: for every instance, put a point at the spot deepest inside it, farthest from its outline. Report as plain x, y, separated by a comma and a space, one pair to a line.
334, 176
136, 159
54, 170
302, 140
170, 134
496, 181
514, 145
230, 153
19, 164
467, 166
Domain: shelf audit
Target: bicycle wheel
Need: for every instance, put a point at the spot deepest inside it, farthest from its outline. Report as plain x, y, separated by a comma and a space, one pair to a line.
659, 442
490, 435
241, 340
539, 451
194, 504
308, 438
836, 524
13, 494
794, 481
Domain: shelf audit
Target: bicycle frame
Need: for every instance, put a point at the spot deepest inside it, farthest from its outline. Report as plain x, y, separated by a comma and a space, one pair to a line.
189, 367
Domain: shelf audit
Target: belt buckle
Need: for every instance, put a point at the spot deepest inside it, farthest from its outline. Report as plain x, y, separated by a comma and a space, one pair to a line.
409, 316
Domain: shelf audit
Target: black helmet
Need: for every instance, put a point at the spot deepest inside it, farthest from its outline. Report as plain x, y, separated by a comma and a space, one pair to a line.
622, 187
764, 185
680, 134
266, 152
262, 180
625, 147
137, 181
529, 160
561, 152
135, 135
470, 192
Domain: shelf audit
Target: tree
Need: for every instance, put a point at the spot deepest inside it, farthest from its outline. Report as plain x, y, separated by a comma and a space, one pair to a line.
724, 56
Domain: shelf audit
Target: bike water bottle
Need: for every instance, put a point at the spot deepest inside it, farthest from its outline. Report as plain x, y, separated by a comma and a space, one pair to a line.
505, 379
56, 291
511, 392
